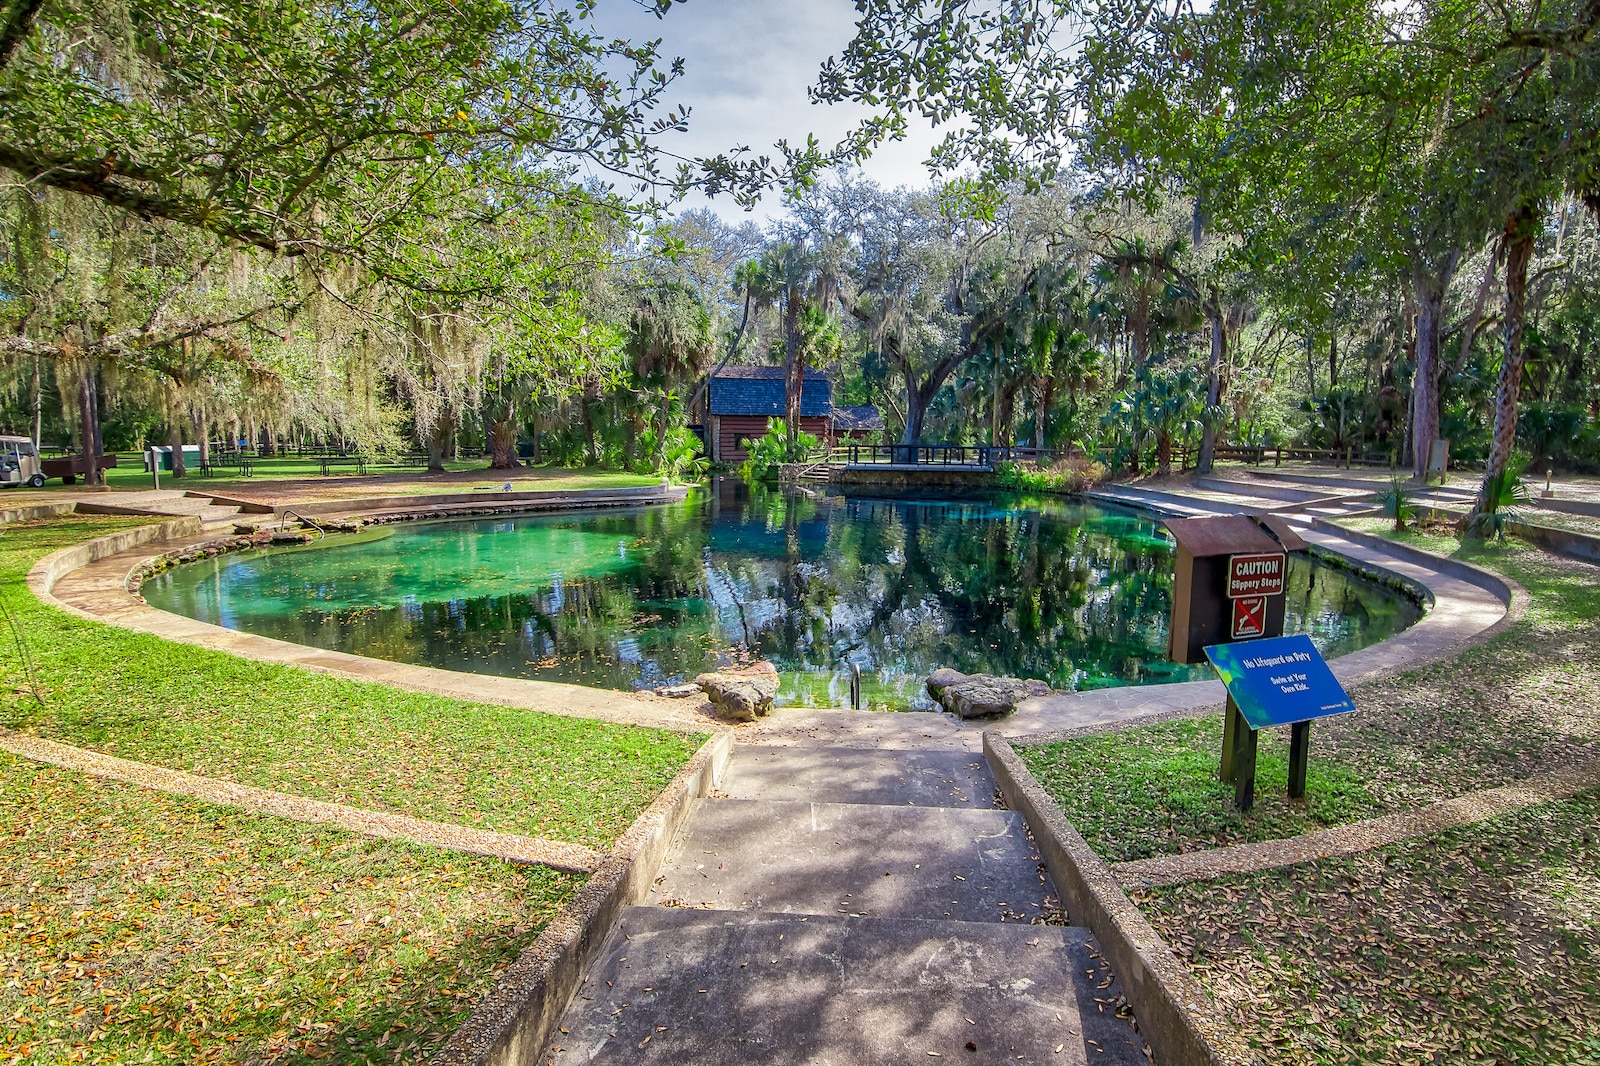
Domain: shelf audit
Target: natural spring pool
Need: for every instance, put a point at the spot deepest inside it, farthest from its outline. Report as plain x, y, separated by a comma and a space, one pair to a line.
1070, 593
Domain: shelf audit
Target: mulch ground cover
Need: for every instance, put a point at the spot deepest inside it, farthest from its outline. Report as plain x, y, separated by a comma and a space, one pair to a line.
1526, 702
139, 927
1481, 945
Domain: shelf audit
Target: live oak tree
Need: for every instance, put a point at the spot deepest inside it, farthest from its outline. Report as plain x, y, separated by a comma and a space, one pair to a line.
1394, 137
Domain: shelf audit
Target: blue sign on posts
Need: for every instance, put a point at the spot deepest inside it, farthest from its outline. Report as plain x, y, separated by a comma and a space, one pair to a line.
1279, 681
1274, 681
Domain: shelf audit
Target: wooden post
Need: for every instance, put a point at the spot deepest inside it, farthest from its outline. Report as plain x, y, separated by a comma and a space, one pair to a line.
1299, 753
1244, 769
1230, 739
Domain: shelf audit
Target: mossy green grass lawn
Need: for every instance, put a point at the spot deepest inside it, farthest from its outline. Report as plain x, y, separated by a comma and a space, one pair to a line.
344, 480
1527, 701
186, 708
139, 927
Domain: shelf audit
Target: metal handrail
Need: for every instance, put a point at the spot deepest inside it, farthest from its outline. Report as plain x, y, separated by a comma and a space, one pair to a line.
284, 522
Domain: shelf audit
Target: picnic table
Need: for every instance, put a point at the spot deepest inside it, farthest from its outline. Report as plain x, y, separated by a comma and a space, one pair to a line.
357, 461
240, 462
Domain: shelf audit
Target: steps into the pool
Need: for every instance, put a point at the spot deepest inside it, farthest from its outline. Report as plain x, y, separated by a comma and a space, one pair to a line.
840, 905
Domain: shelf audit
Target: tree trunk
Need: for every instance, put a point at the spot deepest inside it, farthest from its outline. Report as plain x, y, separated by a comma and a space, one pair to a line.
1521, 229
175, 439
794, 367
85, 419
1044, 392
1141, 331
97, 446
503, 443
1004, 413
38, 404
1219, 353
437, 442
588, 421
661, 430
636, 424
917, 400
202, 436
1430, 287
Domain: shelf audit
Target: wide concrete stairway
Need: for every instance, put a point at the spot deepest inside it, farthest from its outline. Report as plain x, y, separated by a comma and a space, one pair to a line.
848, 906
213, 514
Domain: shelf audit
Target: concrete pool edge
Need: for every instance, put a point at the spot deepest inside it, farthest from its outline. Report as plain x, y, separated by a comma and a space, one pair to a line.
1469, 604
91, 580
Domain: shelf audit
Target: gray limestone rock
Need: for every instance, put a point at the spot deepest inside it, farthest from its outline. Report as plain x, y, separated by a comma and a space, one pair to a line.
742, 695
983, 696
942, 679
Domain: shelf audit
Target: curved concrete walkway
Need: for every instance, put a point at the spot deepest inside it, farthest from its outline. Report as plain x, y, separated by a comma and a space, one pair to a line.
99, 591
1465, 604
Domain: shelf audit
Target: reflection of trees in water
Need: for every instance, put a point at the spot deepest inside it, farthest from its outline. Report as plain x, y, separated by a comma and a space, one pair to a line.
1072, 595
908, 586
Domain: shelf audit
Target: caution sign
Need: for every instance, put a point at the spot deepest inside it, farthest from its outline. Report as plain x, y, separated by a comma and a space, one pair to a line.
1253, 576
1249, 617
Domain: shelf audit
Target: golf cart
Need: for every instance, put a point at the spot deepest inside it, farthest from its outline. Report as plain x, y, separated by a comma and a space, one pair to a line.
19, 463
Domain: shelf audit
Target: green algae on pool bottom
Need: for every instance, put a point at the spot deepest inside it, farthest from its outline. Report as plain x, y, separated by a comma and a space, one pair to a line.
1069, 593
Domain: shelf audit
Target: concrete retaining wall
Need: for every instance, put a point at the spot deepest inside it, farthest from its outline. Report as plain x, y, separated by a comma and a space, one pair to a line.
47, 571
1561, 541
568, 497
927, 476
512, 1024
1176, 1016
32, 511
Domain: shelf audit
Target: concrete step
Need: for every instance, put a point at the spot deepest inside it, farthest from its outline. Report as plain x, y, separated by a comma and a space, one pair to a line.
1257, 489
721, 988
856, 859
828, 774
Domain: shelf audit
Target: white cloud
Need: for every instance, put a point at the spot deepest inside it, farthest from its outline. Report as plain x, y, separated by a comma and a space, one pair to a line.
748, 65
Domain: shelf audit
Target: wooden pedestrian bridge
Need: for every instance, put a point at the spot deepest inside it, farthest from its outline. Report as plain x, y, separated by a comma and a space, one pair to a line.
916, 459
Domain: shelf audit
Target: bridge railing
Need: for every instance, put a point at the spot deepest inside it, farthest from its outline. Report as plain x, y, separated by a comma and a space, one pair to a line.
986, 456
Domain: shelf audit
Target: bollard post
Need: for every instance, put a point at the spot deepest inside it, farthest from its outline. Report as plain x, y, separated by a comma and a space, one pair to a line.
855, 687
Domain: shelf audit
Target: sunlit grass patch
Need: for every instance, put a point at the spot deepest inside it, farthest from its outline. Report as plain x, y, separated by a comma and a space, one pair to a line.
140, 697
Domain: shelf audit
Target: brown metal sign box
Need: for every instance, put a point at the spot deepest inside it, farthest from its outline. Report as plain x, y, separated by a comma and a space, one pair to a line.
1202, 614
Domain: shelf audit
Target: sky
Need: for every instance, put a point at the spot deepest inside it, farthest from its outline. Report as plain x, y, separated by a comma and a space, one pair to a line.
748, 64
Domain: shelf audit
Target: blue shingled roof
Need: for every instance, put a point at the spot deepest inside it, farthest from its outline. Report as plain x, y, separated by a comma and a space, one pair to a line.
758, 390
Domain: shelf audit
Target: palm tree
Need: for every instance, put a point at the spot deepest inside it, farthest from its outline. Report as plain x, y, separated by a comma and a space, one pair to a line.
671, 339
1170, 404
800, 282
